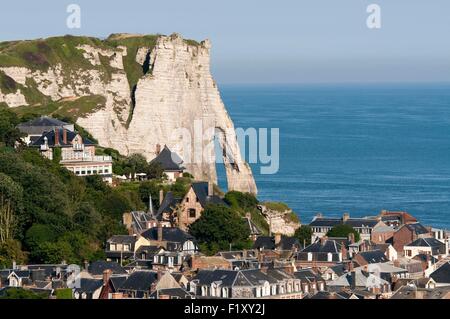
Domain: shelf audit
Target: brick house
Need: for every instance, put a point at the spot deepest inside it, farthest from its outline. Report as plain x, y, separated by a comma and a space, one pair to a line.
382, 234
199, 195
408, 233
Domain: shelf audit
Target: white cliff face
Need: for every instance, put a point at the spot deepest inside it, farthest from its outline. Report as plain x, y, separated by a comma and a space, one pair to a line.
177, 93
279, 222
13, 99
181, 93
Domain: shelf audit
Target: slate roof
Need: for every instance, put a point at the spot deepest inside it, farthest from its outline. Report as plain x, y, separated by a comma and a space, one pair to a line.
328, 246
122, 239
327, 295
43, 121
168, 204
256, 277
41, 124
339, 270
169, 161
140, 219
354, 222
417, 228
226, 277
140, 281
98, 267
170, 234
201, 190
173, 293
246, 278
89, 285
374, 256
268, 242
426, 242
51, 138
117, 281
307, 275
363, 279
148, 250
442, 274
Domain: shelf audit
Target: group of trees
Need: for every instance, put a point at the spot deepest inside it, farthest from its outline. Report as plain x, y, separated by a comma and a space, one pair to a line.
47, 214
134, 164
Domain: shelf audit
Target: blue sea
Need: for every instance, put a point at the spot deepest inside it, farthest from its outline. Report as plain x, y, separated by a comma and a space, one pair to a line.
353, 148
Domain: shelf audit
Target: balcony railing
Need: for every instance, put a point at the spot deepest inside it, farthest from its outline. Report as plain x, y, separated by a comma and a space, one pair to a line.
87, 158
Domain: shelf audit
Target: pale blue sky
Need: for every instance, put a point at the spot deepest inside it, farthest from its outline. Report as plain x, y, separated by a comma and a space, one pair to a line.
254, 41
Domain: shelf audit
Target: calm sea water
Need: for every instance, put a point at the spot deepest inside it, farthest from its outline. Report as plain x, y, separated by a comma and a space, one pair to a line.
356, 149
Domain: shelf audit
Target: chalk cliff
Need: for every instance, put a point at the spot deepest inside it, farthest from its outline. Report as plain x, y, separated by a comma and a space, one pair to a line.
150, 88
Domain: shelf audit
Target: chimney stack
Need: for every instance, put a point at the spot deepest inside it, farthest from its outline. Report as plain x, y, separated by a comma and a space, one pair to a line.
64, 135
86, 265
158, 149
14, 265
160, 232
56, 130
323, 240
161, 196
353, 278
106, 275
210, 189
345, 217
351, 238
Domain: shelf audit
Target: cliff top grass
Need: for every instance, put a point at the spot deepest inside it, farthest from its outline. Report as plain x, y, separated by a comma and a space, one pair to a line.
72, 108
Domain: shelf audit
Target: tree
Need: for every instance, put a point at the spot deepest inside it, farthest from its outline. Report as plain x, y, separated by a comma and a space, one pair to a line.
218, 227
136, 163
154, 171
303, 234
343, 230
148, 188
11, 250
54, 253
7, 220
20, 293
9, 134
39, 234
86, 218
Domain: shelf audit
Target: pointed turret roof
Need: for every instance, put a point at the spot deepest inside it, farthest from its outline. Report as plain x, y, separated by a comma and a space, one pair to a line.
170, 161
